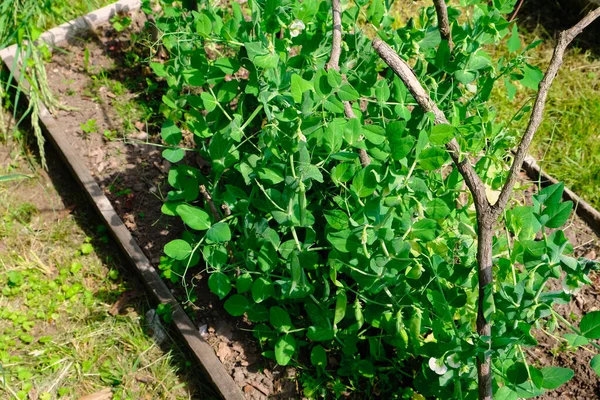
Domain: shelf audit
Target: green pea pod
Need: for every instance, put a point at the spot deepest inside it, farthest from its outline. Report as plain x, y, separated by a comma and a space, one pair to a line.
414, 327
402, 339
358, 313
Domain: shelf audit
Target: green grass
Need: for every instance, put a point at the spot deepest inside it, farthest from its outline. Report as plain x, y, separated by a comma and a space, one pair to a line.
57, 285
567, 144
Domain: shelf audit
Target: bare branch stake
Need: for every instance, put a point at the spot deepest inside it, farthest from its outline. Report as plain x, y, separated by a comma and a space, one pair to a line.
334, 63
443, 22
486, 213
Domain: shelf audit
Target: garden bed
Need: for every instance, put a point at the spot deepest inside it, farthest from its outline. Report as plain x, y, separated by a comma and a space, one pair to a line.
115, 135
123, 153
107, 136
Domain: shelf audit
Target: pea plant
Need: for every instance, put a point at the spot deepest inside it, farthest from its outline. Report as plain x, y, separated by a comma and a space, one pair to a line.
355, 204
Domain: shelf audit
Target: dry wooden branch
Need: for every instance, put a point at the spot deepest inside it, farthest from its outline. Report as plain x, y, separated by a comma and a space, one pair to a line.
336, 43
211, 204
334, 63
564, 39
406, 74
443, 22
486, 213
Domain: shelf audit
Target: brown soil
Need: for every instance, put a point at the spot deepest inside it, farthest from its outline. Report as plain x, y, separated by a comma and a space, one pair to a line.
133, 175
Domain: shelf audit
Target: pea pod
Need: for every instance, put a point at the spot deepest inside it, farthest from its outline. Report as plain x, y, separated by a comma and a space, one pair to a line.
414, 327
402, 339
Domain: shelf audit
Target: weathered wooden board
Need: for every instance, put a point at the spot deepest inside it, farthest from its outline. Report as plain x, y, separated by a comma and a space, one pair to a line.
201, 350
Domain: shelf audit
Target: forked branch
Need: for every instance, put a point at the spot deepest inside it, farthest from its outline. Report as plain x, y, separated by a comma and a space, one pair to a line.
486, 214
406, 74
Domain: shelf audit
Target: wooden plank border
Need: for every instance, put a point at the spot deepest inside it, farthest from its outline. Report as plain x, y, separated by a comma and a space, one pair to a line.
202, 351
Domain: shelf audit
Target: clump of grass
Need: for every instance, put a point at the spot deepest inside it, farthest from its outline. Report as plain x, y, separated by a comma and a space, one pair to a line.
567, 144
57, 337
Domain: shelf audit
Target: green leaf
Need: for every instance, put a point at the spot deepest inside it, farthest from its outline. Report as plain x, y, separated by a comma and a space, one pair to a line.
262, 289
173, 155
424, 229
575, 340
178, 249
532, 77
514, 43
15, 278
590, 325
219, 233
228, 65
375, 12
194, 217
555, 377
401, 146
595, 364
477, 62
267, 257
318, 356
348, 93
202, 24
266, 61
511, 89
334, 78
333, 104
442, 134
219, 284
465, 77
236, 305
555, 215
337, 219
344, 241
158, 69
194, 77
352, 130
366, 368
244, 283
280, 319
271, 176
374, 134
364, 183
505, 393
170, 133
432, 158
299, 86
320, 334
489, 306
210, 103
285, 348
437, 209
550, 195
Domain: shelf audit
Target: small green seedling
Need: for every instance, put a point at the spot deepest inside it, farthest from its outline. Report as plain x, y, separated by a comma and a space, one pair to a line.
89, 127
120, 22
110, 135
